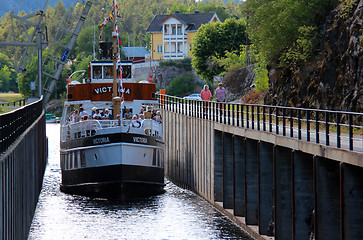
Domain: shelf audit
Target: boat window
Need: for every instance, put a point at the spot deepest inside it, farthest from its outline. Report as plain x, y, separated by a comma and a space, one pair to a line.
83, 159
75, 163
63, 158
162, 159
158, 158
108, 72
126, 71
97, 72
68, 161
154, 157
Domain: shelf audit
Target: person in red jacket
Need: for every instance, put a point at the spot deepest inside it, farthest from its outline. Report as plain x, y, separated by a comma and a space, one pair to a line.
205, 94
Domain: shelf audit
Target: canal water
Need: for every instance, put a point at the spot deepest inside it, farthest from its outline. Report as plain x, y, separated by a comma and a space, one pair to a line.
176, 214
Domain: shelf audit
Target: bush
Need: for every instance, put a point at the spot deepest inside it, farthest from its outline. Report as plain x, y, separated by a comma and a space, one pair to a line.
185, 63
180, 86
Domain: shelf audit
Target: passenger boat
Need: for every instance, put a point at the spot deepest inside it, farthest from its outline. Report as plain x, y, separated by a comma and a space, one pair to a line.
110, 158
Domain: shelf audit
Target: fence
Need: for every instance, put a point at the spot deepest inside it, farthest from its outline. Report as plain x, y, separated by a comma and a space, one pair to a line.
338, 129
22, 164
20, 102
14, 123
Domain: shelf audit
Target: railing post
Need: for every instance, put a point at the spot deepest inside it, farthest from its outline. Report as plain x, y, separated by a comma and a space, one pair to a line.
258, 117
247, 116
299, 124
229, 113
350, 119
270, 118
264, 118
277, 119
253, 116
237, 113
338, 130
224, 113
242, 118
291, 123
233, 120
327, 128
308, 125
317, 126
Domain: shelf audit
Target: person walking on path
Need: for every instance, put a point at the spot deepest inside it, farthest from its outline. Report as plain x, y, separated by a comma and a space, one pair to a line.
205, 94
220, 94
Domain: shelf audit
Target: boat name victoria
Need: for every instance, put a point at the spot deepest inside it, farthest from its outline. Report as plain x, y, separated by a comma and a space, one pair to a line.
108, 89
140, 140
101, 140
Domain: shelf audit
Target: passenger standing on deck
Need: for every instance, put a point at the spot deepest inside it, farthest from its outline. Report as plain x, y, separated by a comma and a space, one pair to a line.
82, 112
134, 122
75, 116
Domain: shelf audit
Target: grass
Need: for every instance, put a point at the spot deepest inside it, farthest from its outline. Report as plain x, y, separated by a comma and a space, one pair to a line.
7, 98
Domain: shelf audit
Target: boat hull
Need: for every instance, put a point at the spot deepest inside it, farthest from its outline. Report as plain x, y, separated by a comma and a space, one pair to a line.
116, 181
113, 165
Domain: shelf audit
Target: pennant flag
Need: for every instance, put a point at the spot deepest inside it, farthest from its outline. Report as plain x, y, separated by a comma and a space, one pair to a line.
100, 36
116, 4
118, 35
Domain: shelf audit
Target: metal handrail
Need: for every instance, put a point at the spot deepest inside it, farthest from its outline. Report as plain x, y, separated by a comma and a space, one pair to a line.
14, 123
339, 129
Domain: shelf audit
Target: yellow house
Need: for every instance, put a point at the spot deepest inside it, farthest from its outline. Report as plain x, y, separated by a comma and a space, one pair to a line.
171, 35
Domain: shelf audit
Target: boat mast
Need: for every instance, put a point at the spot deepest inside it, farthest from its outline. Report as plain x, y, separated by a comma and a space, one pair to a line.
116, 100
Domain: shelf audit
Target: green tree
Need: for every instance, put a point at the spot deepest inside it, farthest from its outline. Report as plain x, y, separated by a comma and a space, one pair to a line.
181, 85
8, 76
213, 41
275, 26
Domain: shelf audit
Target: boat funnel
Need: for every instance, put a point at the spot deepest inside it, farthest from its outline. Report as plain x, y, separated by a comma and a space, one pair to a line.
106, 50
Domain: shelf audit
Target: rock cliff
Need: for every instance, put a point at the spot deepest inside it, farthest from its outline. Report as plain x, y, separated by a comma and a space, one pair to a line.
333, 78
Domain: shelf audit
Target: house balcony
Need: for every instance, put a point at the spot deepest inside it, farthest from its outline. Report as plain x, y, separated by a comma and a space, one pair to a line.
174, 55
175, 37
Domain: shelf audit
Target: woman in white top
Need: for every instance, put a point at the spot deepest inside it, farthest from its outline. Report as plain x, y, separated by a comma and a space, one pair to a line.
134, 122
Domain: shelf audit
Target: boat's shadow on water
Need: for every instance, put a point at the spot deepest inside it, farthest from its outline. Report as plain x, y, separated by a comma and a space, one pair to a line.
102, 204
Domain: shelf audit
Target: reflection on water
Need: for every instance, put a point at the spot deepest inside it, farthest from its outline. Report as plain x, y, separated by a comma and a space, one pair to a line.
176, 214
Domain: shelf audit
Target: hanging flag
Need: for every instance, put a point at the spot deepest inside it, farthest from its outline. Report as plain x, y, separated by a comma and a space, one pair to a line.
116, 4
118, 35
100, 36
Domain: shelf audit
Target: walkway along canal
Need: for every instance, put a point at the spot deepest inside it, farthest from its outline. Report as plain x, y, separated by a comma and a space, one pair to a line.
280, 173
176, 214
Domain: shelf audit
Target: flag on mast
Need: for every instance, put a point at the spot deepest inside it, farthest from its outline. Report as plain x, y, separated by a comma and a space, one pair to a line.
118, 35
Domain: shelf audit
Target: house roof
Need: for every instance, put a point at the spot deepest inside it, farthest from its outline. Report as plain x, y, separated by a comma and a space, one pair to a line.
194, 21
135, 51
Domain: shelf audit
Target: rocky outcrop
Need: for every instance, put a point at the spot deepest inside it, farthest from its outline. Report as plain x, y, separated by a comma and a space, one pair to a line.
333, 79
238, 82
162, 76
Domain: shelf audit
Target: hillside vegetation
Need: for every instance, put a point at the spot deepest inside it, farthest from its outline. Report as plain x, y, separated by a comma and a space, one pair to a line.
134, 18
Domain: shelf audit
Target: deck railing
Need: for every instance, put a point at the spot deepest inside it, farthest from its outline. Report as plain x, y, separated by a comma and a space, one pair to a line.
338, 129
